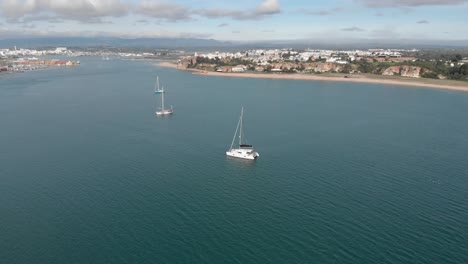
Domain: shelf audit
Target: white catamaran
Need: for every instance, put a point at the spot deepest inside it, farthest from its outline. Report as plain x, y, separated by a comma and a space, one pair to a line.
156, 86
162, 110
244, 151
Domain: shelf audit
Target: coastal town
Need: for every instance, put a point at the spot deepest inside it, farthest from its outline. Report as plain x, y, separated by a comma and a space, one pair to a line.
411, 63
387, 62
17, 59
20, 60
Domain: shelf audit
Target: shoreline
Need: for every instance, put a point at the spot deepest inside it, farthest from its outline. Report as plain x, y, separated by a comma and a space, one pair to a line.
352, 78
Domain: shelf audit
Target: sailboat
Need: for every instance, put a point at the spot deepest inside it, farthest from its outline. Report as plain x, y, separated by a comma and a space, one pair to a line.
244, 151
164, 111
156, 86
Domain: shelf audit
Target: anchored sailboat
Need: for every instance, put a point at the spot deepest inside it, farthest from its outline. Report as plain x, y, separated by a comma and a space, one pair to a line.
244, 151
156, 86
162, 110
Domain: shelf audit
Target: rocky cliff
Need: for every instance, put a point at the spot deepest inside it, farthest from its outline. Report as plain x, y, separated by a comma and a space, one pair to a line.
405, 70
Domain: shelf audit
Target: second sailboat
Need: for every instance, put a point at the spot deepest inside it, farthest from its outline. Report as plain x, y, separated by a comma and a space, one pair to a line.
162, 110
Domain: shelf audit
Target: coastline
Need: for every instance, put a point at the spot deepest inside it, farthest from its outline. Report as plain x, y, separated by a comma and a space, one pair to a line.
377, 79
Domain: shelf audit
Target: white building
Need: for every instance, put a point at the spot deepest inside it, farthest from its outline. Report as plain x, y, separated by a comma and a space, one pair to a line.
239, 68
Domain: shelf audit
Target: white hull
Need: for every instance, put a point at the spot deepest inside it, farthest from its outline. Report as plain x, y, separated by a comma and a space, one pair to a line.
243, 154
244, 151
164, 112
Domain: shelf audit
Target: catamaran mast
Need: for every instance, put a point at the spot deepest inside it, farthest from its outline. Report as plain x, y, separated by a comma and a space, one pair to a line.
235, 133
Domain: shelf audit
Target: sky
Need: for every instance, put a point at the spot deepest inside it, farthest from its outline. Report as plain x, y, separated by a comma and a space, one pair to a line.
239, 20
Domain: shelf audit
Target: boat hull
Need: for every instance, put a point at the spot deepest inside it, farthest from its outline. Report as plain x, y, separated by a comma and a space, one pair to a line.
164, 112
242, 154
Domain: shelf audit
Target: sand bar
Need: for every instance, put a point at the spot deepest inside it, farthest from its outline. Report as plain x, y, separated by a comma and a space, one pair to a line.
356, 78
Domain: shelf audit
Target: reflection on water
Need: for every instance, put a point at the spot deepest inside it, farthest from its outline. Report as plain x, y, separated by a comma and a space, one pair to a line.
240, 163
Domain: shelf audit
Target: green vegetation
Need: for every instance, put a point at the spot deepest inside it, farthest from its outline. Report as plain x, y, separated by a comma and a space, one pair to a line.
435, 67
430, 75
217, 62
366, 67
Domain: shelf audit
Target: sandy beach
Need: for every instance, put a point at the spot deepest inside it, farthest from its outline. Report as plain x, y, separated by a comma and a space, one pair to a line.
356, 78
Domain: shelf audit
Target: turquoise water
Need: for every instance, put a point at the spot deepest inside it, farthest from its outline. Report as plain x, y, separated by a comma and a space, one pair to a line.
348, 173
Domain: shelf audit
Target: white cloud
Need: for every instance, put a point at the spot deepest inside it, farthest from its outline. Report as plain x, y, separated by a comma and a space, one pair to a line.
93, 11
402, 3
268, 7
81, 10
164, 10
320, 12
217, 13
15, 8
265, 8
354, 29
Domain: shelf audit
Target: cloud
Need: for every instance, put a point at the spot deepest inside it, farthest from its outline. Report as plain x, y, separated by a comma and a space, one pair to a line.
164, 10
217, 13
268, 30
15, 8
142, 21
26, 32
174, 12
235, 31
379, 14
95, 20
320, 12
223, 25
30, 26
33, 18
50, 19
80, 10
423, 22
353, 29
266, 8
409, 3
93, 11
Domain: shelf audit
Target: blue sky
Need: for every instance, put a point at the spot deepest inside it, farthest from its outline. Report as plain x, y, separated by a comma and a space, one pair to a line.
240, 20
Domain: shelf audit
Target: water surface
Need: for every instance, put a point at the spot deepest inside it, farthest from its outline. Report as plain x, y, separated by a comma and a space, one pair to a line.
348, 172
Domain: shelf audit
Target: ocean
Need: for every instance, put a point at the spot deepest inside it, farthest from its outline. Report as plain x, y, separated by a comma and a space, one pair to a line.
347, 173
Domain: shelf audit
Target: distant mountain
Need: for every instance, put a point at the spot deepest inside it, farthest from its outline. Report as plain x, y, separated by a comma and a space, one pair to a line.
212, 44
111, 42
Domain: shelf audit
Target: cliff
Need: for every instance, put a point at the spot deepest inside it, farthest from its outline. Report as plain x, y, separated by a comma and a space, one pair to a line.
405, 70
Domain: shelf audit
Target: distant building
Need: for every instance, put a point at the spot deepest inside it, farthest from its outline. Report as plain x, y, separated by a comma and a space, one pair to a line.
239, 68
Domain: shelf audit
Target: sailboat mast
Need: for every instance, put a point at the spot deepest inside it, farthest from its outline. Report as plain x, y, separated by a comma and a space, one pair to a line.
240, 131
162, 101
157, 82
